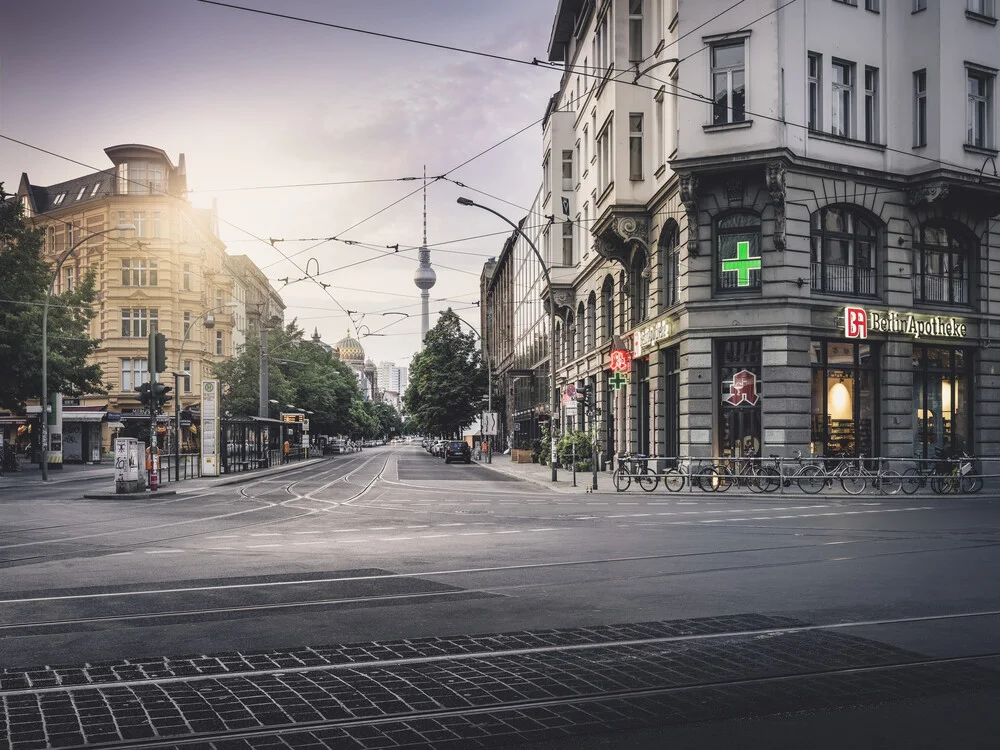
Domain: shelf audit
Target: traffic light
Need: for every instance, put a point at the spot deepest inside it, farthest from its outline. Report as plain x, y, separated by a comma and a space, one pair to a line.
160, 352
160, 394
145, 397
583, 394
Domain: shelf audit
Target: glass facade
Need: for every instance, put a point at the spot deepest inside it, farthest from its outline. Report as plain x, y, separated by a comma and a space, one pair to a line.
845, 403
942, 399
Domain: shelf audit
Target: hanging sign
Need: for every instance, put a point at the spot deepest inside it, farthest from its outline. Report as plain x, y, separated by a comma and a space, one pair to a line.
859, 322
620, 360
617, 381
742, 389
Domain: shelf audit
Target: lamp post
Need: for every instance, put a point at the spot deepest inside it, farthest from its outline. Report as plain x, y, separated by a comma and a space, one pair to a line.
179, 372
553, 405
43, 430
489, 381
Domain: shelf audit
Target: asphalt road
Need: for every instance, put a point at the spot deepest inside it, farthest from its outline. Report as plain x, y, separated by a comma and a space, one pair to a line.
383, 599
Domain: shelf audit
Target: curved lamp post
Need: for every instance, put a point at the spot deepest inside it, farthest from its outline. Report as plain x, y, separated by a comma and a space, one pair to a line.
44, 430
489, 378
179, 373
553, 405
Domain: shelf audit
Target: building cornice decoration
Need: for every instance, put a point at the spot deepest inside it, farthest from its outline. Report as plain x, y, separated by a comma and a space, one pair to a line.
689, 199
622, 238
564, 299
775, 172
929, 193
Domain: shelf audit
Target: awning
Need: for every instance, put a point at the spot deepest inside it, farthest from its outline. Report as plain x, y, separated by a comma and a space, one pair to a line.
14, 419
83, 414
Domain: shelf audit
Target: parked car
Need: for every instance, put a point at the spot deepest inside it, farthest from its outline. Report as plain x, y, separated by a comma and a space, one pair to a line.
438, 449
457, 450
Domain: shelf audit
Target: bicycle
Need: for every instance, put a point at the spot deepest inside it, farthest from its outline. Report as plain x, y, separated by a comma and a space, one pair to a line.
9, 459
886, 481
634, 466
675, 477
959, 474
813, 477
751, 472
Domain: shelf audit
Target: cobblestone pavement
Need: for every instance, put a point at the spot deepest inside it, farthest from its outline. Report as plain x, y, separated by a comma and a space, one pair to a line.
469, 691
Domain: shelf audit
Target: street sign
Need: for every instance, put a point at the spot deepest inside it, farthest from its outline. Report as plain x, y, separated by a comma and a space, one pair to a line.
488, 423
517, 426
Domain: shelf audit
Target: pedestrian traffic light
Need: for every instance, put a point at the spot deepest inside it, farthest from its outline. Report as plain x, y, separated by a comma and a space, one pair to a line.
160, 394
145, 397
160, 347
583, 394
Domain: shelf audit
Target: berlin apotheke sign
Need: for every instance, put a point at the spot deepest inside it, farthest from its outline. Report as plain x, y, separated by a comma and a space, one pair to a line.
644, 339
859, 322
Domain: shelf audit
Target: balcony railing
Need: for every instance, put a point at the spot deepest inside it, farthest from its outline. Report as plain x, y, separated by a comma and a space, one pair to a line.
840, 279
941, 288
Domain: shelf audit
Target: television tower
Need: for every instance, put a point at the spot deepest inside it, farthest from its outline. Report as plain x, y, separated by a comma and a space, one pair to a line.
424, 277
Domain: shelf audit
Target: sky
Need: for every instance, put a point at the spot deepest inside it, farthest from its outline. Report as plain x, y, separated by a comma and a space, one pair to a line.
255, 101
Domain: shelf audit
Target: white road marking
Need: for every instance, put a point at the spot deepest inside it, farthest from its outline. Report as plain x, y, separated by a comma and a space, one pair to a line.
473, 533
382, 528
268, 534
337, 531
514, 531
393, 538
310, 541
421, 526
162, 551
308, 532
259, 546
224, 536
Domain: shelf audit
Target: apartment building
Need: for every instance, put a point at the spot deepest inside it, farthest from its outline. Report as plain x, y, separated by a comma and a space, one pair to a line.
785, 214
170, 274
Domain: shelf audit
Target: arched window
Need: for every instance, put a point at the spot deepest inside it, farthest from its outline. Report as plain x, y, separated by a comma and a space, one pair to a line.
570, 337
669, 248
581, 329
591, 322
738, 258
943, 257
608, 307
639, 282
844, 252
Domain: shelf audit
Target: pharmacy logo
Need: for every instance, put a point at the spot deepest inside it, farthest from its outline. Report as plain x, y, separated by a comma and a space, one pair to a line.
855, 323
742, 264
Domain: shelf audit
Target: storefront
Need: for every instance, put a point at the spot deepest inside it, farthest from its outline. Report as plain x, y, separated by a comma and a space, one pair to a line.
738, 364
844, 398
81, 436
942, 400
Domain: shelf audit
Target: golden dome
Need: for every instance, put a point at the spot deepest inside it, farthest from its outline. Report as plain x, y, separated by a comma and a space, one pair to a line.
350, 350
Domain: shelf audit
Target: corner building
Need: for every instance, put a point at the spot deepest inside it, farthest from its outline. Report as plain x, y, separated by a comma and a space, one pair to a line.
792, 228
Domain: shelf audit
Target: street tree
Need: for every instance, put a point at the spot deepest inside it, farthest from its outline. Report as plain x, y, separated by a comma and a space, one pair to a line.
447, 379
300, 372
25, 276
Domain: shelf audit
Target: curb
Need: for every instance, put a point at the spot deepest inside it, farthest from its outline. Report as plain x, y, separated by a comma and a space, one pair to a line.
128, 495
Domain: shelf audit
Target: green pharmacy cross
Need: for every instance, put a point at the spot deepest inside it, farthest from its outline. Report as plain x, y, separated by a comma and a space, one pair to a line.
618, 381
742, 264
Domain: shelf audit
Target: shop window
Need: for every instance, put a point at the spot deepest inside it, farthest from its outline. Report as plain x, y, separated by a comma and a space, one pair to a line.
672, 401
942, 261
844, 398
641, 394
941, 401
738, 364
738, 258
639, 291
844, 252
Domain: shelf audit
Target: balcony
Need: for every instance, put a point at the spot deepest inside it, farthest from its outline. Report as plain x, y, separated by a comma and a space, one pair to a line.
834, 278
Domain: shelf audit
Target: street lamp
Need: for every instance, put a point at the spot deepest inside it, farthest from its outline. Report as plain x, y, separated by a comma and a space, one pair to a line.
43, 430
179, 373
553, 405
489, 379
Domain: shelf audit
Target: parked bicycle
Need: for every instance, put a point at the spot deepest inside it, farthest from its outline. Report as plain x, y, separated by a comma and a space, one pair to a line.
634, 466
9, 459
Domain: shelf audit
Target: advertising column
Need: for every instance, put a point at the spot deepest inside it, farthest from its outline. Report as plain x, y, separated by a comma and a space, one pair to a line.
210, 428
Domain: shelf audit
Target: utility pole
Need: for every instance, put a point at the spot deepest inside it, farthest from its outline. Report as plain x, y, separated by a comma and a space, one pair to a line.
262, 407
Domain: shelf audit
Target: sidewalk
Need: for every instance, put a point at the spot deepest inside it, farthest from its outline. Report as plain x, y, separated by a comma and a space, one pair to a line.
542, 475
97, 477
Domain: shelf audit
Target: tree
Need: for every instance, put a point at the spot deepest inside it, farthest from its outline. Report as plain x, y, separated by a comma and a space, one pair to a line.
301, 373
25, 276
447, 379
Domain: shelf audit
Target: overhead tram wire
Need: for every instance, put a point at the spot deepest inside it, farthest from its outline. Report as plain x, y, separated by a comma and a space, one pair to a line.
302, 185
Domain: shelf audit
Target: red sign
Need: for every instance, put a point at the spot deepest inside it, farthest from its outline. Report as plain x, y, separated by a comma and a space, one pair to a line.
743, 389
621, 360
855, 323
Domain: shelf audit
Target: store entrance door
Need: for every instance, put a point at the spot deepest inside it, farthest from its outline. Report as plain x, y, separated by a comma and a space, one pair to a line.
739, 367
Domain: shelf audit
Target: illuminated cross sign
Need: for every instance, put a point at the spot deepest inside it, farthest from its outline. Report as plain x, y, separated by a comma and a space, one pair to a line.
742, 264
617, 381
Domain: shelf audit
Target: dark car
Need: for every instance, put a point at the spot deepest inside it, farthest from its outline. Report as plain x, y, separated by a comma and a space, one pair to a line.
458, 451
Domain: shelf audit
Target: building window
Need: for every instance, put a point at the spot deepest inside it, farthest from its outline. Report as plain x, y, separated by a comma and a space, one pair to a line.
942, 418
842, 103
659, 129
919, 5
672, 401
82, 191
123, 182
982, 7
134, 374
97, 186
69, 236
980, 109
639, 282
871, 105
815, 91
728, 83
848, 2
139, 272
605, 157
139, 322
187, 277
844, 398
844, 252
187, 378
738, 259
635, 31
942, 259
546, 185
738, 370
567, 169
872, 5
187, 323
70, 278
52, 239
157, 224
670, 266
608, 308
567, 243
218, 342
920, 108
675, 114
635, 146
591, 322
